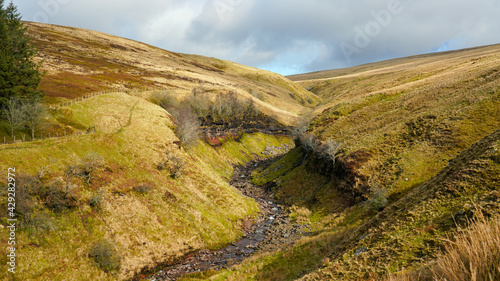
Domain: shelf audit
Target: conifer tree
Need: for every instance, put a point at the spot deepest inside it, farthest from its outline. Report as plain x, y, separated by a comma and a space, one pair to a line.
19, 74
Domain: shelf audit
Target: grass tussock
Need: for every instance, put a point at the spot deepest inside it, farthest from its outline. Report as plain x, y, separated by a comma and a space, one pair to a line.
474, 255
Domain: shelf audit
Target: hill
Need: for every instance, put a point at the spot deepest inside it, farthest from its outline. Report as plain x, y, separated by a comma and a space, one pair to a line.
418, 155
115, 193
78, 62
396, 157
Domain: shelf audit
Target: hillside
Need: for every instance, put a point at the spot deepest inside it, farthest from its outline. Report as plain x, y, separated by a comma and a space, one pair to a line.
418, 156
126, 192
397, 157
78, 62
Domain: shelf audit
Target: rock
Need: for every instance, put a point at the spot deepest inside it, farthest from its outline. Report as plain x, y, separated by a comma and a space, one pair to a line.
359, 251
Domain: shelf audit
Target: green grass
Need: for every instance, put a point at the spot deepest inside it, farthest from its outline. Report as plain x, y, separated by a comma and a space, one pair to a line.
198, 209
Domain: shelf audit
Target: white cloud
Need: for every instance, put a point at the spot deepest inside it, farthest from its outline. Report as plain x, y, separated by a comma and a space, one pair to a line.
282, 35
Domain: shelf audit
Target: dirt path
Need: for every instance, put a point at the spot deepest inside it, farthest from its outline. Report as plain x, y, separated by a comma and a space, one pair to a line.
271, 230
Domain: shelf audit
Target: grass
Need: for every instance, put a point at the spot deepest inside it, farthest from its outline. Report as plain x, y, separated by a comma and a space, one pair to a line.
401, 126
474, 253
79, 61
402, 122
197, 209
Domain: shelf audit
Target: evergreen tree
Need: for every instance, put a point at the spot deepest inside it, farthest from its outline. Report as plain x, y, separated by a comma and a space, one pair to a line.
19, 74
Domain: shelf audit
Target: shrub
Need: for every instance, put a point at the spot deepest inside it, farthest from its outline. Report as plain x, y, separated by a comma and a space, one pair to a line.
27, 188
332, 148
142, 188
174, 163
41, 222
105, 255
229, 109
199, 102
378, 199
188, 125
309, 142
165, 99
302, 125
59, 197
84, 169
474, 255
97, 200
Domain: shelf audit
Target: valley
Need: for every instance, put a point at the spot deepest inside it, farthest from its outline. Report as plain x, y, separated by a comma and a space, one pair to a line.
203, 169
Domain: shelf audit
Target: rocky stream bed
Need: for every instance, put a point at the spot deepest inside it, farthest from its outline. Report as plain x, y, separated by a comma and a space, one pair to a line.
271, 230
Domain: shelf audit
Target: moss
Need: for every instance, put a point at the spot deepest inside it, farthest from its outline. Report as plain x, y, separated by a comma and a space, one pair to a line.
279, 168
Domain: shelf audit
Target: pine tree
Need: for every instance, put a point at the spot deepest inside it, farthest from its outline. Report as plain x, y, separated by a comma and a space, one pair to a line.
19, 74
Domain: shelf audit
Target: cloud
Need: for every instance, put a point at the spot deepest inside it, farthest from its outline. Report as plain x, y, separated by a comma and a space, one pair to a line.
289, 36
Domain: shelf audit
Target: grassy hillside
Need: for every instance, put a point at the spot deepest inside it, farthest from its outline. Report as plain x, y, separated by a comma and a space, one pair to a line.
418, 153
74, 191
79, 61
419, 156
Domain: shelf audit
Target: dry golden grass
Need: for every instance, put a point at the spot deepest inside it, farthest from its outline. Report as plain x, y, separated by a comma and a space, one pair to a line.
410, 114
474, 254
79, 61
197, 209
410, 120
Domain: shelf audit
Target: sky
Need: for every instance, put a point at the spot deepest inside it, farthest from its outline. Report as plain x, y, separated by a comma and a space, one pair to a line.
284, 36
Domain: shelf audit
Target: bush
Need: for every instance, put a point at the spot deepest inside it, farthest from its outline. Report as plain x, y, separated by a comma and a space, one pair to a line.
97, 200
332, 148
229, 109
173, 163
142, 188
59, 197
105, 255
84, 169
378, 199
199, 102
41, 222
309, 142
26, 188
188, 125
165, 99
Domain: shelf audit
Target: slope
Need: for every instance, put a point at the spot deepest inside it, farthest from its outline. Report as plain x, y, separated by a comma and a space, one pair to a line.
76, 190
106, 203
419, 150
79, 61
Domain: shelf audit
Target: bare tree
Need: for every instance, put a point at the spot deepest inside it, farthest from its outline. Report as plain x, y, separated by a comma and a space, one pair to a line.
14, 114
34, 111
332, 147
309, 141
188, 125
302, 124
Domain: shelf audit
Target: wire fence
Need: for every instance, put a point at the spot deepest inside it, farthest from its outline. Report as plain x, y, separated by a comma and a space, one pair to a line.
64, 133
42, 136
98, 93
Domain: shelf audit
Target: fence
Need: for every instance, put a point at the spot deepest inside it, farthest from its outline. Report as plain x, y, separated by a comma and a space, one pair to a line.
55, 107
94, 94
44, 136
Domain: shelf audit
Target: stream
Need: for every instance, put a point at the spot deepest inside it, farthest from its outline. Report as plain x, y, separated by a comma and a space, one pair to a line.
271, 230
